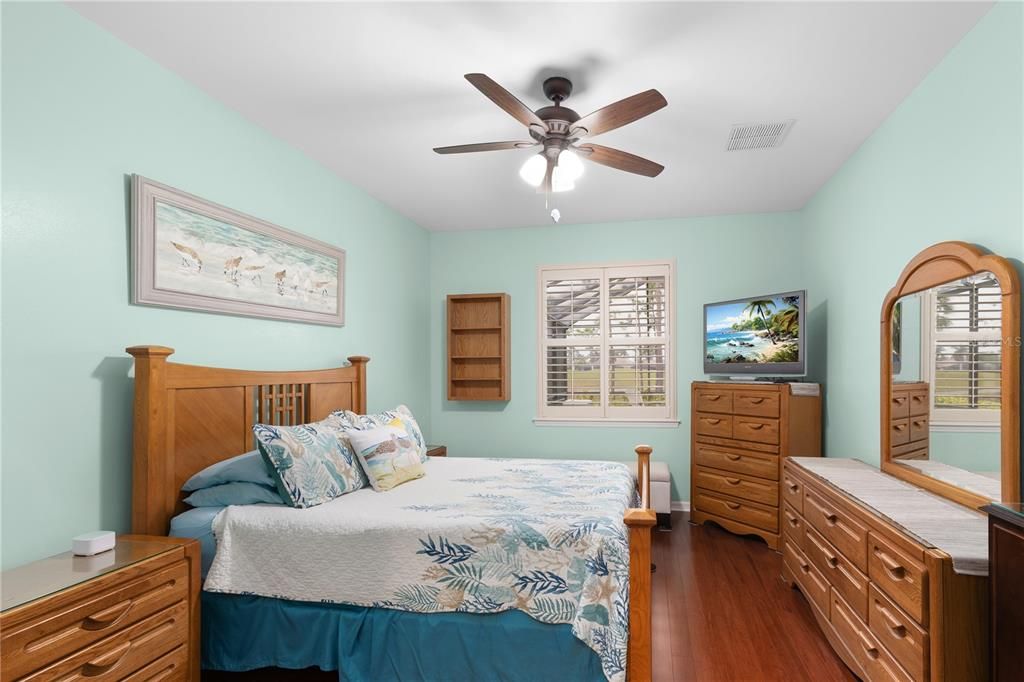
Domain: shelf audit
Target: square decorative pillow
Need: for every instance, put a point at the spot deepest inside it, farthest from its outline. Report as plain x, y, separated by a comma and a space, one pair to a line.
310, 463
388, 454
370, 421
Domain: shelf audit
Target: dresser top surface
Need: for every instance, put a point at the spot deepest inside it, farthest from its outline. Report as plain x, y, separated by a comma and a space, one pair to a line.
39, 579
932, 521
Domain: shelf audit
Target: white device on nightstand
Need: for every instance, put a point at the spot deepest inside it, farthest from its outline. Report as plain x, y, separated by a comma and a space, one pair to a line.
88, 544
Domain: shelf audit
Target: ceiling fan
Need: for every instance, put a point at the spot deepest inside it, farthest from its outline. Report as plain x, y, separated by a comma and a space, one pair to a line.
563, 134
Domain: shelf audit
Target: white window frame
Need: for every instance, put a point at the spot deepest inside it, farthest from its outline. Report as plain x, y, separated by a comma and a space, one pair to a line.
949, 420
605, 414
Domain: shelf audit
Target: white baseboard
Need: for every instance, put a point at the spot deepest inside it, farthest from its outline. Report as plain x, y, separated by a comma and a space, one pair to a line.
680, 505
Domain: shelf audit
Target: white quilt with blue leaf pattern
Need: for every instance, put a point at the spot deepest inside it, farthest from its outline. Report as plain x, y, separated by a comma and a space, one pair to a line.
473, 535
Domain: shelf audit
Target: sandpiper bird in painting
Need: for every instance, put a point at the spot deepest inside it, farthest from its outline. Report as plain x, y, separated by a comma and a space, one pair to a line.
279, 276
254, 274
189, 258
231, 269
321, 287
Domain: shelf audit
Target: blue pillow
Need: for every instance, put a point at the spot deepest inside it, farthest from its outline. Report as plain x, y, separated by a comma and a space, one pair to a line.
248, 468
198, 524
235, 492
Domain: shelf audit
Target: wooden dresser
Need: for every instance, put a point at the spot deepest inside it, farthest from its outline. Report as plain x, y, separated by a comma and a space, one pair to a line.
908, 420
740, 434
1006, 589
128, 614
890, 604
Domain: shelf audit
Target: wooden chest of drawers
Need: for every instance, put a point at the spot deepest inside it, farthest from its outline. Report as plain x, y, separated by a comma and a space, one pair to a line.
908, 421
128, 614
892, 608
740, 434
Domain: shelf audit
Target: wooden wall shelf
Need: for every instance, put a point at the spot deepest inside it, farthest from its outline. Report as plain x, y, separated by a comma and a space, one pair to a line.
478, 347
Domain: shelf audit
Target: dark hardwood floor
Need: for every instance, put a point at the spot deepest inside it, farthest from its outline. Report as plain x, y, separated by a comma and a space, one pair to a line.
721, 613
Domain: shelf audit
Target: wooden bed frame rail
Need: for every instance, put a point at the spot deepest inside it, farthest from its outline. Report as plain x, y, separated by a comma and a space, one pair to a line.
187, 417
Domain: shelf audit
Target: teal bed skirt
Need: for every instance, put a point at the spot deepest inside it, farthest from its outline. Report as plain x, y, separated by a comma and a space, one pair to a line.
379, 645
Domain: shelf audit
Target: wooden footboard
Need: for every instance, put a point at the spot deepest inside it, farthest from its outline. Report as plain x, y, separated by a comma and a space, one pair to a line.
639, 521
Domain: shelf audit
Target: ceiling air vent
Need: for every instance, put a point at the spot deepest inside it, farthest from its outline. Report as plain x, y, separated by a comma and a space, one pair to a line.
765, 135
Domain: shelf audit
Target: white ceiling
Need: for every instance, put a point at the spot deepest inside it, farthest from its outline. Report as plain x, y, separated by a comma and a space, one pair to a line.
368, 89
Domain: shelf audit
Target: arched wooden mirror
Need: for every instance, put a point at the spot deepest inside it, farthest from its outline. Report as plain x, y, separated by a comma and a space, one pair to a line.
951, 375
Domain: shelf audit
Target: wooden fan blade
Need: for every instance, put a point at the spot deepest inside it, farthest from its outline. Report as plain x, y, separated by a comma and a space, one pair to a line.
483, 147
620, 160
618, 114
506, 100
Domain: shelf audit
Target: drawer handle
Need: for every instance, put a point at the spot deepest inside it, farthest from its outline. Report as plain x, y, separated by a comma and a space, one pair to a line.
805, 567
754, 427
756, 401
107, 617
795, 487
106, 661
711, 421
732, 481
895, 569
919, 422
897, 627
899, 401
793, 521
832, 560
832, 519
732, 505
898, 427
734, 458
870, 649
917, 398
712, 397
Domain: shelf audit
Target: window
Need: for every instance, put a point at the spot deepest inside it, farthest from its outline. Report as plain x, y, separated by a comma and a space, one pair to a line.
605, 343
963, 340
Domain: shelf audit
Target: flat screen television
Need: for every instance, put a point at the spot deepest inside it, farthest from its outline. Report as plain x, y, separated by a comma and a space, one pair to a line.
757, 335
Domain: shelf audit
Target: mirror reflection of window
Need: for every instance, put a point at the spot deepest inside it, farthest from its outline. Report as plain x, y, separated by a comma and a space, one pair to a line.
951, 342
965, 347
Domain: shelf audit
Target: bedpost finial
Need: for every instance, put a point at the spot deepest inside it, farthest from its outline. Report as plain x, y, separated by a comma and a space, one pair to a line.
358, 359
149, 351
644, 450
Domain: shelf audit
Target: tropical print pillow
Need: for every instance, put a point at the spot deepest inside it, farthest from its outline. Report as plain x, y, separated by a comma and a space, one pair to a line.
402, 413
388, 454
310, 463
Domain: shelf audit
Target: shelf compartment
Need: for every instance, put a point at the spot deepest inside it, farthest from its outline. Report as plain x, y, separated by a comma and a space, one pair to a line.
465, 369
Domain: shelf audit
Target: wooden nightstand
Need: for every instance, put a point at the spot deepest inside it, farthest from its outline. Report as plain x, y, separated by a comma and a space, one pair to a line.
132, 611
437, 451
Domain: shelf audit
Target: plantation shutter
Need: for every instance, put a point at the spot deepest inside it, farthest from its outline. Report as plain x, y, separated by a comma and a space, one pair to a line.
967, 350
605, 342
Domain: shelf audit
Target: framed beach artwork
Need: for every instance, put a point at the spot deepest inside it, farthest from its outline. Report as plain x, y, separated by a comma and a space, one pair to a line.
195, 254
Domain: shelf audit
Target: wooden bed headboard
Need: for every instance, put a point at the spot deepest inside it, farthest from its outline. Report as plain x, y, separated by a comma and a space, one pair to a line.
188, 417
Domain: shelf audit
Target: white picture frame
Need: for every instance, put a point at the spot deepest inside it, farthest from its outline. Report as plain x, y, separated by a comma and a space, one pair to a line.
193, 254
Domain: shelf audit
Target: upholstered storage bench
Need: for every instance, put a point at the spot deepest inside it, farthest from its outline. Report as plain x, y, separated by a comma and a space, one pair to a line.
661, 493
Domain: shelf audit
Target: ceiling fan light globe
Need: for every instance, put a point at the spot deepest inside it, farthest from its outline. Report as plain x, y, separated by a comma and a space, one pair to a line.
561, 181
570, 165
532, 172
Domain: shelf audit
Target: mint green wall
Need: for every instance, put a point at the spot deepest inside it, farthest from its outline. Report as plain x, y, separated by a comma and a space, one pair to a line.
947, 164
81, 111
716, 259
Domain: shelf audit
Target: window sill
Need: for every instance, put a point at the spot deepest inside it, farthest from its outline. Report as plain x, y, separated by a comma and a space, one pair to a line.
963, 427
601, 421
